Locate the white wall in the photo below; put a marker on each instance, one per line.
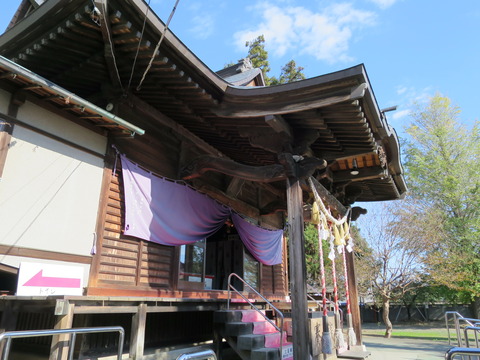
(49, 193)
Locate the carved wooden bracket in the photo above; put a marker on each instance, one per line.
(269, 173)
(206, 163)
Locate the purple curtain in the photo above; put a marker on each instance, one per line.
(265, 245)
(168, 213)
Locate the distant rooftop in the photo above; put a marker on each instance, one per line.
(242, 74)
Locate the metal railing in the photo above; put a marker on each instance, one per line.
(199, 355)
(277, 312)
(451, 353)
(8, 336)
(475, 330)
(458, 320)
(330, 303)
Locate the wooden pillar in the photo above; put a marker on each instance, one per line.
(298, 284)
(7, 125)
(354, 305)
(217, 341)
(8, 321)
(60, 343)
(137, 338)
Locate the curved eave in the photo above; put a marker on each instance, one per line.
(390, 141)
(320, 91)
(38, 22)
(345, 90)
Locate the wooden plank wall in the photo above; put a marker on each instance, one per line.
(126, 261)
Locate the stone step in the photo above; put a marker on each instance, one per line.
(263, 327)
(273, 353)
(223, 316)
(273, 340)
(238, 328)
(250, 341)
(252, 315)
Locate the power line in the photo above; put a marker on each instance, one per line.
(138, 47)
(158, 46)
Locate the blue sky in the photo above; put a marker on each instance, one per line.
(411, 48)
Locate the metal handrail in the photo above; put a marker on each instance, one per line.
(319, 304)
(329, 302)
(476, 329)
(9, 335)
(469, 323)
(332, 305)
(200, 355)
(278, 312)
(451, 353)
(458, 318)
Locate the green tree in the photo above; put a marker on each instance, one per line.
(364, 260)
(259, 57)
(312, 258)
(395, 262)
(443, 174)
(290, 73)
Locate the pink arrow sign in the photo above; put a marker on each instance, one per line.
(40, 280)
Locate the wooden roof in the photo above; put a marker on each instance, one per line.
(333, 117)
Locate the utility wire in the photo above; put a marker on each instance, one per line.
(138, 47)
(158, 46)
(107, 28)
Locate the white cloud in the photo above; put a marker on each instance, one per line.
(401, 90)
(408, 96)
(383, 4)
(324, 35)
(202, 25)
(400, 114)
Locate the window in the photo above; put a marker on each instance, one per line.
(251, 270)
(192, 265)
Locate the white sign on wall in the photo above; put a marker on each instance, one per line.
(49, 279)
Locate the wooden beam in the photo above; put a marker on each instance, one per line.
(141, 107)
(43, 254)
(278, 123)
(235, 186)
(17, 99)
(109, 50)
(251, 107)
(301, 330)
(237, 205)
(108, 167)
(352, 287)
(206, 163)
(329, 199)
(266, 138)
(137, 337)
(8, 321)
(268, 173)
(366, 173)
(60, 343)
